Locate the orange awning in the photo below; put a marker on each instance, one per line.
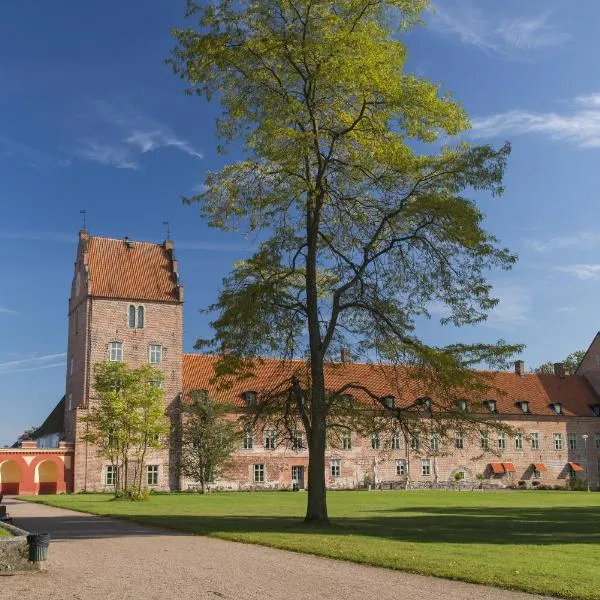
(497, 468)
(509, 467)
(539, 467)
(575, 467)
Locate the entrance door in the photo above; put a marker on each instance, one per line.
(298, 476)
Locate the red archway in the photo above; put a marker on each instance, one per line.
(11, 475)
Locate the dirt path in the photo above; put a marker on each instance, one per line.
(98, 558)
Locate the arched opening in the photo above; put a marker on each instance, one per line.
(47, 477)
(10, 477)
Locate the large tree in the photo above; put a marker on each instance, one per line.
(355, 191)
(126, 420)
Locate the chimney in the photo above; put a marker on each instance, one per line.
(520, 367)
(345, 355)
(559, 370)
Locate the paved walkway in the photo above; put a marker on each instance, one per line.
(98, 558)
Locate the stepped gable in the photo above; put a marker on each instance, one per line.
(541, 391)
(133, 270)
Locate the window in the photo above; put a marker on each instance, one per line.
(346, 440)
(485, 440)
(463, 406)
(248, 439)
(152, 474)
(157, 383)
(572, 441)
(396, 441)
(491, 405)
(558, 441)
(459, 441)
(259, 473)
(518, 441)
(297, 441)
(270, 439)
(434, 442)
(425, 467)
(155, 354)
(375, 442)
(415, 443)
(460, 475)
(135, 317)
(597, 438)
(115, 351)
(524, 405)
(110, 475)
(400, 467)
(557, 408)
(535, 440)
(388, 401)
(336, 467)
(537, 474)
(502, 441)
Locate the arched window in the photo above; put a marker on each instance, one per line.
(131, 316)
(140, 317)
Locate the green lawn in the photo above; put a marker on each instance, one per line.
(4, 532)
(537, 541)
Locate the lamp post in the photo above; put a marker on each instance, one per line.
(587, 471)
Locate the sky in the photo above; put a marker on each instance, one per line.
(91, 118)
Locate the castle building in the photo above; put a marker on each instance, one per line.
(126, 304)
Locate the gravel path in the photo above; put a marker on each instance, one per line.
(99, 558)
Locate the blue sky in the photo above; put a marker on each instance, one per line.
(91, 118)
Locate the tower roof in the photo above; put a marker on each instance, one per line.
(132, 270)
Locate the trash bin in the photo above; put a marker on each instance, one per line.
(38, 546)
(295, 487)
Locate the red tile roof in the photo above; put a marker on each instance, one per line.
(540, 390)
(143, 271)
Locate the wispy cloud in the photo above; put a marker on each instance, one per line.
(34, 363)
(584, 239)
(31, 156)
(579, 127)
(504, 38)
(566, 309)
(131, 133)
(7, 311)
(582, 271)
(513, 309)
(38, 236)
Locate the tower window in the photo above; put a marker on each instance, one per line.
(155, 354)
(115, 351)
(135, 317)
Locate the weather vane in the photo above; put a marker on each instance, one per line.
(83, 212)
(168, 226)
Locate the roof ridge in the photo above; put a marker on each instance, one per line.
(110, 239)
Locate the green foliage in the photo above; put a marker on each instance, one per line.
(364, 230)
(208, 438)
(571, 362)
(125, 420)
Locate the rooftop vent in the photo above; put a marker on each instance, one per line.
(559, 369)
(520, 367)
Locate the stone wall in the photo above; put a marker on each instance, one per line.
(14, 552)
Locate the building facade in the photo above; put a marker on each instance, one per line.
(126, 304)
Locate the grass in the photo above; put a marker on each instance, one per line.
(4, 532)
(536, 541)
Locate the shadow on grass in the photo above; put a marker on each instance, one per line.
(538, 526)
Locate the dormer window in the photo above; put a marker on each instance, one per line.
(490, 404)
(463, 406)
(135, 317)
(424, 402)
(249, 398)
(596, 410)
(557, 408)
(388, 401)
(524, 406)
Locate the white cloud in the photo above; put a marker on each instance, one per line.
(507, 38)
(32, 157)
(512, 310)
(133, 133)
(584, 240)
(34, 363)
(584, 272)
(579, 127)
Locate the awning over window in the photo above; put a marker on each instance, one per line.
(575, 467)
(497, 468)
(539, 467)
(509, 467)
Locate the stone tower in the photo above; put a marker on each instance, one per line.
(126, 304)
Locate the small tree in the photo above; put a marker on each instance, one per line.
(126, 420)
(570, 363)
(208, 438)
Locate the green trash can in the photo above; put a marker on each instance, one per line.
(38, 546)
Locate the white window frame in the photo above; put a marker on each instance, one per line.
(248, 442)
(375, 441)
(152, 475)
(534, 437)
(346, 440)
(258, 472)
(558, 442)
(459, 440)
(155, 351)
(396, 441)
(425, 467)
(518, 441)
(270, 439)
(485, 440)
(502, 441)
(415, 443)
(572, 440)
(115, 351)
(336, 467)
(400, 467)
(110, 475)
(461, 473)
(434, 442)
